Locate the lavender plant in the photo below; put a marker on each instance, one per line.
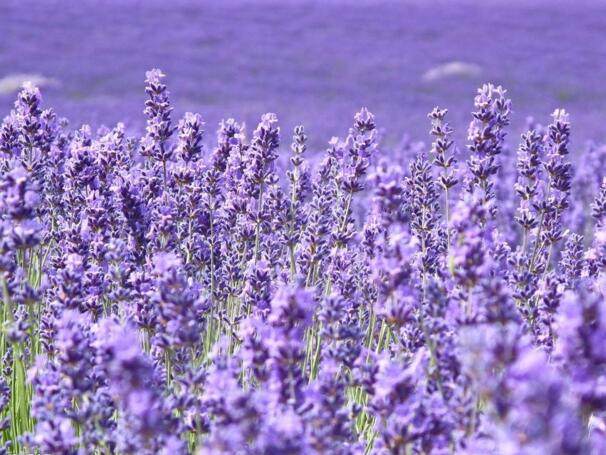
(164, 294)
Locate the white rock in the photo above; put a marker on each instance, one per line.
(452, 69)
(13, 82)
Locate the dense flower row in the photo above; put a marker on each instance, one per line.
(163, 296)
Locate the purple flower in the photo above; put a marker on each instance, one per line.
(161, 299)
(158, 110)
(486, 136)
(189, 147)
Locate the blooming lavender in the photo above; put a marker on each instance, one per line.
(486, 136)
(168, 294)
(443, 161)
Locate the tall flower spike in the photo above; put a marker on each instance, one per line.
(527, 185)
(486, 136)
(299, 189)
(443, 161)
(260, 173)
(361, 143)
(557, 191)
(422, 204)
(158, 110)
(27, 108)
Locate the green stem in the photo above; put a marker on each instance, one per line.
(258, 226)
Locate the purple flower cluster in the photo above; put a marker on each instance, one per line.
(170, 295)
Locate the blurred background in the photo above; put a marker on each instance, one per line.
(314, 62)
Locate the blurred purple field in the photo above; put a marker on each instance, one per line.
(311, 62)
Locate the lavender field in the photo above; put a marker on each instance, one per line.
(332, 227)
(310, 61)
